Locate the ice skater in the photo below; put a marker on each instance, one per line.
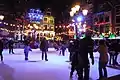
(26, 51)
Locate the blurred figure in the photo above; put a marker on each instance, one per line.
(116, 49)
(71, 49)
(63, 48)
(103, 59)
(86, 47)
(111, 51)
(26, 51)
(1, 49)
(44, 48)
(10, 45)
(74, 57)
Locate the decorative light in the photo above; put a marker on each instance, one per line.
(74, 10)
(71, 14)
(0, 22)
(85, 12)
(77, 7)
(35, 15)
(79, 18)
(13, 24)
(17, 25)
(1, 17)
(6, 23)
(31, 27)
(10, 24)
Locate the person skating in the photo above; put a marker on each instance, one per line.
(10, 45)
(103, 59)
(1, 50)
(26, 51)
(44, 48)
(63, 48)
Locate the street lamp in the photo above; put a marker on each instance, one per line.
(1, 17)
(77, 7)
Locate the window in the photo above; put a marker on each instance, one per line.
(107, 19)
(101, 18)
(45, 19)
(51, 21)
(118, 19)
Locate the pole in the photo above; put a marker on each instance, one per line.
(76, 31)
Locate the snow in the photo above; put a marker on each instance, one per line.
(15, 68)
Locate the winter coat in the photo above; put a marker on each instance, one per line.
(27, 49)
(103, 53)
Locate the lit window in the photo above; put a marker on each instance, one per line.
(45, 19)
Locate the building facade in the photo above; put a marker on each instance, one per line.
(102, 22)
(40, 25)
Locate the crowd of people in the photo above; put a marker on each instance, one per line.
(79, 50)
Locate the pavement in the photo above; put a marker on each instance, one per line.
(56, 68)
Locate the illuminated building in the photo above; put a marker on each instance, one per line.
(102, 22)
(39, 25)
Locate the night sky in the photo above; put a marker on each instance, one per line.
(60, 8)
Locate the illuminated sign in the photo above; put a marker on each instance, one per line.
(35, 15)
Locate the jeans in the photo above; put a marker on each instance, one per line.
(1, 55)
(11, 50)
(102, 69)
(44, 53)
(26, 55)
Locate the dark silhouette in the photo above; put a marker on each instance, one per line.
(10, 45)
(44, 48)
(86, 46)
(1, 49)
(103, 60)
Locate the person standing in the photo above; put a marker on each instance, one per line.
(10, 45)
(1, 49)
(63, 48)
(86, 46)
(44, 48)
(103, 59)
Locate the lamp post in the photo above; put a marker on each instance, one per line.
(75, 10)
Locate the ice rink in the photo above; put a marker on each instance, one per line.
(56, 68)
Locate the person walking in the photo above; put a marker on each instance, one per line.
(103, 59)
(44, 48)
(1, 50)
(86, 46)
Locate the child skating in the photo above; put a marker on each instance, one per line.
(26, 51)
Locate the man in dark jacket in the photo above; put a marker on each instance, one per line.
(1, 49)
(86, 46)
(44, 48)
